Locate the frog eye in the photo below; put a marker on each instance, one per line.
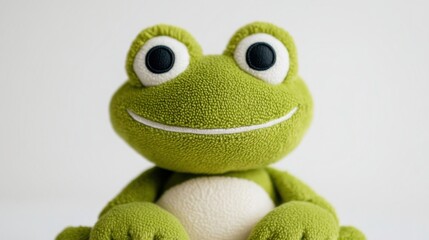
(160, 59)
(264, 57)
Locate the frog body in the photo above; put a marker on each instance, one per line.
(212, 125)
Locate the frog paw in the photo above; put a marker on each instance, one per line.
(350, 233)
(297, 221)
(138, 221)
(74, 233)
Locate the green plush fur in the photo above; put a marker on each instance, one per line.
(213, 93)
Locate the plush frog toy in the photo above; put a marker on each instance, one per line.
(212, 125)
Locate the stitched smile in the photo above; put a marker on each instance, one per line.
(210, 131)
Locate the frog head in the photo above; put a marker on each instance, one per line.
(210, 114)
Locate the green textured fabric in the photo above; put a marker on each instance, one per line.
(143, 221)
(292, 189)
(351, 233)
(213, 92)
(74, 233)
(145, 188)
(297, 220)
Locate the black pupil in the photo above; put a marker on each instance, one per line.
(260, 56)
(160, 59)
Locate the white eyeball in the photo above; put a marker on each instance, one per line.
(159, 60)
(264, 57)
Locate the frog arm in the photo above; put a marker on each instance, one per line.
(145, 188)
(301, 214)
(290, 188)
(132, 214)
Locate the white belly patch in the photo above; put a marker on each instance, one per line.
(217, 208)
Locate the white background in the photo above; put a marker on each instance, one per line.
(366, 62)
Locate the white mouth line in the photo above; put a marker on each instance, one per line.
(212, 131)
